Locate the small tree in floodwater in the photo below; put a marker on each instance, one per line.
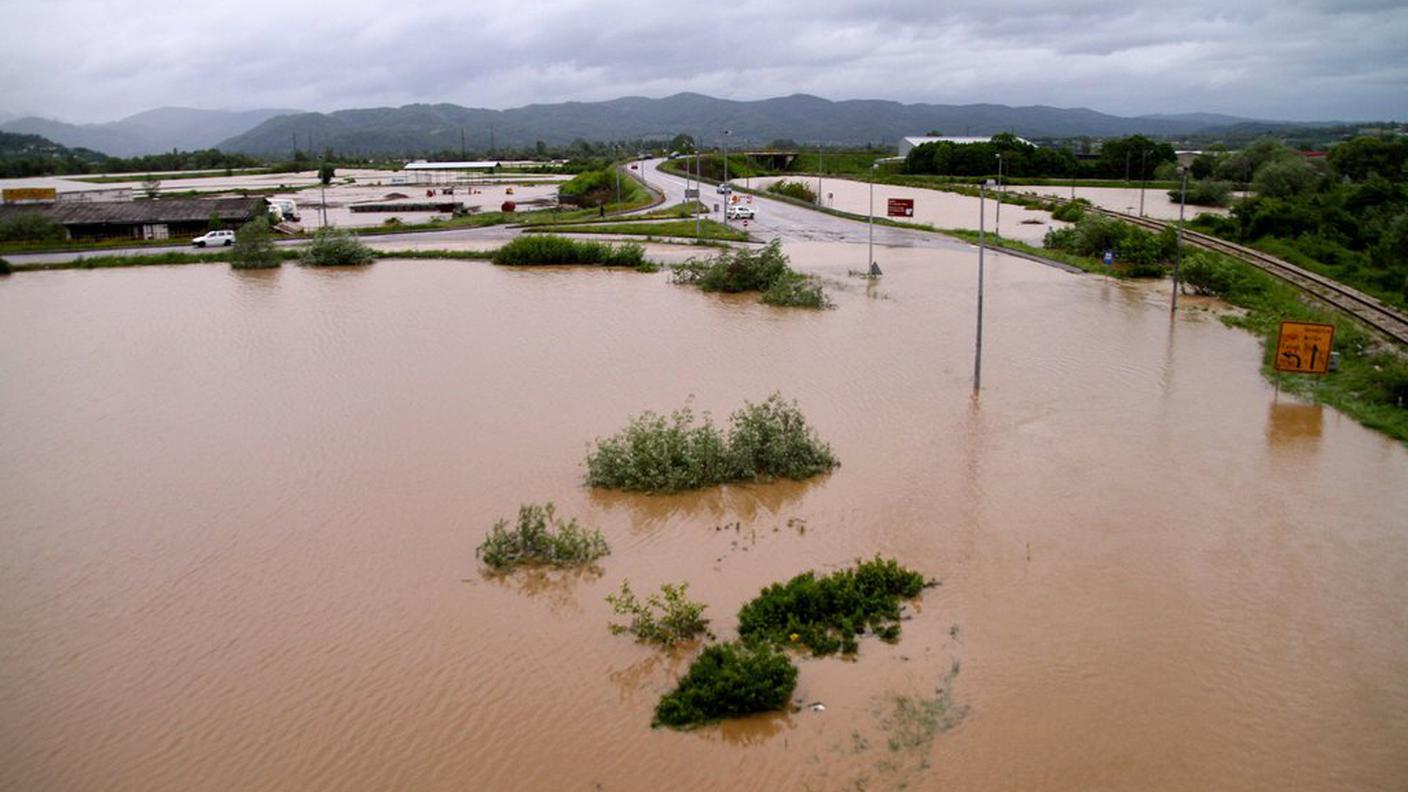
(254, 247)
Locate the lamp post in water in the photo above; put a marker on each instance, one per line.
(1178, 248)
(728, 194)
(982, 244)
(870, 225)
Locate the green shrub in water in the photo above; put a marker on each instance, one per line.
(1071, 211)
(826, 614)
(764, 270)
(254, 247)
(540, 537)
(334, 247)
(550, 249)
(794, 189)
(658, 454)
(666, 618)
(728, 680)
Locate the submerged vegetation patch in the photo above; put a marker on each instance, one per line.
(654, 453)
(765, 271)
(665, 619)
(826, 614)
(540, 538)
(755, 674)
(550, 249)
(728, 680)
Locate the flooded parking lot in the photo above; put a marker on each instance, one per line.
(238, 520)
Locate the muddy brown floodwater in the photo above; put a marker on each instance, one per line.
(238, 516)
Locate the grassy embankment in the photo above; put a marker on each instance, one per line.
(708, 229)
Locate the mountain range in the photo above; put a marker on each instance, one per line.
(151, 132)
(426, 128)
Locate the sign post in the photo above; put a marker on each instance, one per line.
(900, 207)
(1304, 347)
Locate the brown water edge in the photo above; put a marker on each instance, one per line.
(239, 512)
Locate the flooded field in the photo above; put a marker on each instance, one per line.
(1156, 202)
(479, 195)
(935, 207)
(239, 512)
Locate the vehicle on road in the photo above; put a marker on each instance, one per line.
(287, 209)
(741, 213)
(725, 188)
(212, 238)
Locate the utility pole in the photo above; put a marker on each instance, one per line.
(870, 228)
(1178, 249)
(698, 188)
(617, 167)
(462, 154)
(1143, 172)
(818, 175)
(982, 245)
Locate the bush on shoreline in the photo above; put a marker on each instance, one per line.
(334, 247)
(550, 249)
(254, 247)
(794, 189)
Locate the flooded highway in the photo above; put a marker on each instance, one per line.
(239, 513)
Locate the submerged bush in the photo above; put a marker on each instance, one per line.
(1210, 273)
(666, 618)
(540, 537)
(826, 614)
(254, 246)
(4, 267)
(550, 249)
(1137, 252)
(1071, 211)
(763, 270)
(334, 247)
(794, 189)
(1204, 192)
(728, 680)
(658, 454)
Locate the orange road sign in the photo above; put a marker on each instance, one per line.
(1304, 347)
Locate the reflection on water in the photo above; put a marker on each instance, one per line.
(234, 547)
(557, 587)
(1290, 423)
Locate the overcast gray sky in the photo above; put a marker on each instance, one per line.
(97, 60)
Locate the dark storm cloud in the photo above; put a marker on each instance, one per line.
(1295, 60)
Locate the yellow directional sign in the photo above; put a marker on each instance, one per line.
(1304, 347)
(21, 194)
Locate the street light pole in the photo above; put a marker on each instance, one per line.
(617, 168)
(997, 222)
(728, 194)
(870, 229)
(1178, 249)
(982, 244)
(698, 191)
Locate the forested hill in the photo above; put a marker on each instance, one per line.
(807, 119)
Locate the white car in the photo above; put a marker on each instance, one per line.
(214, 238)
(741, 213)
(725, 188)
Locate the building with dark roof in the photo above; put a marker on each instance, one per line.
(151, 219)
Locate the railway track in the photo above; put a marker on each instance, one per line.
(1367, 309)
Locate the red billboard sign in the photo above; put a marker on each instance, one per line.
(901, 207)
